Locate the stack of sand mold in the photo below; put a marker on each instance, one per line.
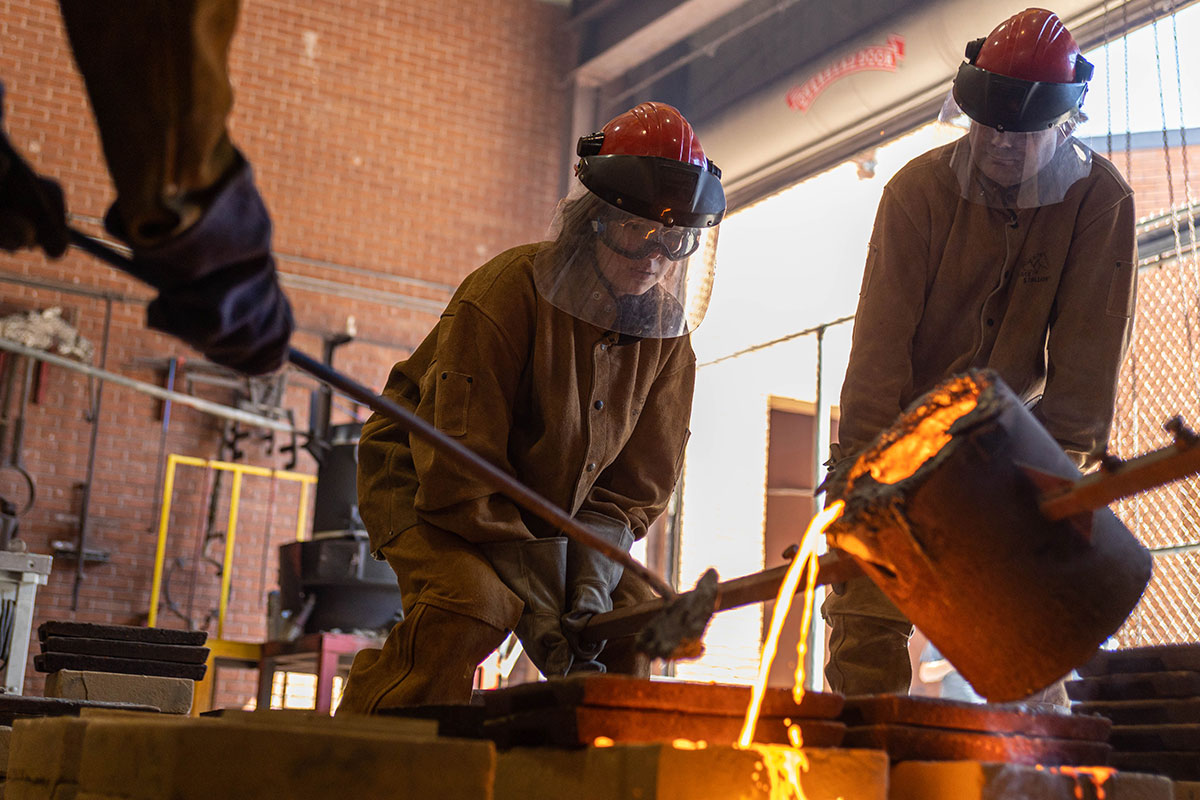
(104, 754)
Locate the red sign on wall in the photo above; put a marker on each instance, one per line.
(884, 57)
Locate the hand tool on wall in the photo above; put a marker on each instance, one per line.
(13, 462)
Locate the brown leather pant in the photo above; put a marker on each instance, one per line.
(456, 612)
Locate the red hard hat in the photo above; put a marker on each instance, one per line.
(1027, 75)
(652, 129)
(1033, 45)
(647, 161)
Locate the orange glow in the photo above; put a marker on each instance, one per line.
(785, 765)
(602, 741)
(688, 744)
(1096, 776)
(778, 772)
(927, 435)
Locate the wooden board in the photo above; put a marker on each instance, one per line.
(115, 648)
(984, 718)
(1136, 686)
(913, 743)
(124, 633)
(583, 725)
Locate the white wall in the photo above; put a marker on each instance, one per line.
(790, 262)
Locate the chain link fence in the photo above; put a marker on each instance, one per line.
(1159, 381)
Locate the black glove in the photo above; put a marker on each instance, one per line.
(218, 288)
(32, 212)
(838, 472)
(591, 579)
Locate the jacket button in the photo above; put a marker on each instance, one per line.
(991, 322)
(599, 404)
(591, 467)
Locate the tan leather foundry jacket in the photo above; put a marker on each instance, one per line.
(589, 423)
(1044, 296)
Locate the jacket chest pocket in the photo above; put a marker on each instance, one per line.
(453, 403)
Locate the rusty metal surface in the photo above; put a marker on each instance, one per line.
(15, 707)
(117, 649)
(123, 633)
(1135, 686)
(912, 743)
(575, 711)
(53, 662)
(1144, 712)
(1177, 766)
(1176, 657)
(963, 550)
(583, 725)
(973, 717)
(1155, 738)
(621, 691)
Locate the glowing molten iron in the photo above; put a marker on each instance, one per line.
(784, 766)
(1096, 776)
(926, 433)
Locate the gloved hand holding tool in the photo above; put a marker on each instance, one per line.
(591, 579)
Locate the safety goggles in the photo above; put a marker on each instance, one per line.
(637, 238)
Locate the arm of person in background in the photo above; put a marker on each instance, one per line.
(157, 76)
(890, 305)
(1089, 332)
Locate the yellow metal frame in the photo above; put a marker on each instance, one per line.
(238, 470)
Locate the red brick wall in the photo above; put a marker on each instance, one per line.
(398, 146)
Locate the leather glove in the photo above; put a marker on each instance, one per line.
(837, 473)
(218, 289)
(535, 570)
(32, 211)
(591, 579)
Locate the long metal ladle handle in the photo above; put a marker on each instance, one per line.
(457, 452)
(470, 461)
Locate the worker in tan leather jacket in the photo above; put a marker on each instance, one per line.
(568, 364)
(1013, 249)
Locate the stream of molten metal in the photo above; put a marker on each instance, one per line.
(782, 765)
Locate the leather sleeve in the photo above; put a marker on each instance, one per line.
(1089, 333)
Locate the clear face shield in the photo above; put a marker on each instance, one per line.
(1015, 169)
(625, 273)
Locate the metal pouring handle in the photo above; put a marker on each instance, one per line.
(460, 454)
(1119, 479)
(466, 458)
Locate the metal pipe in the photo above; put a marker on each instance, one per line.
(86, 502)
(161, 548)
(462, 456)
(227, 562)
(207, 406)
